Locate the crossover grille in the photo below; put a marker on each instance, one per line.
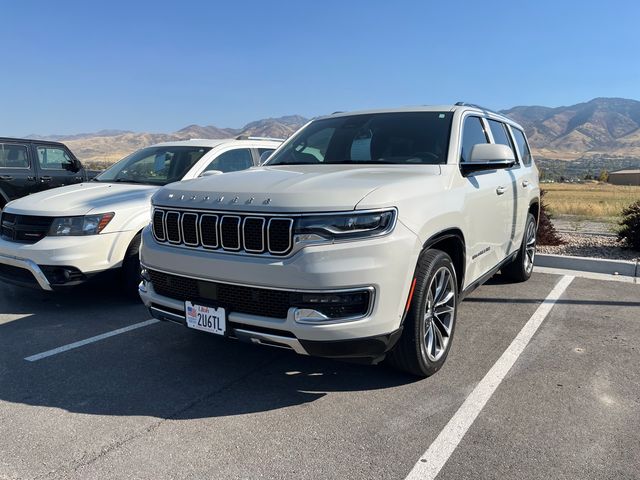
(24, 228)
(254, 234)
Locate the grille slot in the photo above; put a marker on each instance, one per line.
(158, 225)
(172, 226)
(230, 232)
(279, 234)
(209, 231)
(190, 229)
(253, 234)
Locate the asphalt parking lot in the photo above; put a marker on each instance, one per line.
(160, 401)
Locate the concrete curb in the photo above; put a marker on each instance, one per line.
(585, 264)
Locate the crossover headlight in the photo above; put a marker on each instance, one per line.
(343, 226)
(78, 226)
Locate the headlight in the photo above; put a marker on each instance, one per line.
(78, 226)
(344, 225)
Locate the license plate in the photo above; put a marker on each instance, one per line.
(207, 319)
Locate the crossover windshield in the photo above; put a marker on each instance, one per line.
(154, 165)
(378, 138)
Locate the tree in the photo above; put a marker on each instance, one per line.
(629, 232)
(604, 176)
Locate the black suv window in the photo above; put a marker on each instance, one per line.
(232, 161)
(472, 134)
(13, 156)
(52, 158)
(523, 148)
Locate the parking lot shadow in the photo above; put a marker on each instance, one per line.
(162, 370)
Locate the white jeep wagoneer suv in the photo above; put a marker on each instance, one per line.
(357, 239)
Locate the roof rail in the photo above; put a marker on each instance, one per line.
(247, 137)
(479, 107)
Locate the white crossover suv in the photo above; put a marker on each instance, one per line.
(62, 237)
(356, 240)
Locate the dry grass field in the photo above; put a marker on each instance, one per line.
(589, 200)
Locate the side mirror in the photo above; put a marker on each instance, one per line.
(265, 156)
(488, 156)
(71, 166)
(210, 173)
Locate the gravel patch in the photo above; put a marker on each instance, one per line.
(590, 245)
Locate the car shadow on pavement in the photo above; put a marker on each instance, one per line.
(163, 370)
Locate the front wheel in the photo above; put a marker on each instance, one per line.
(131, 268)
(429, 324)
(521, 268)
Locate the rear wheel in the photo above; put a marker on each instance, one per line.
(131, 268)
(430, 322)
(521, 268)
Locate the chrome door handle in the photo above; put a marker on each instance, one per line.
(525, 183)
(500, 190)
(46, 179)
(6, 178)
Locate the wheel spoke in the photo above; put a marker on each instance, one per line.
(441, 327)
(446, 299)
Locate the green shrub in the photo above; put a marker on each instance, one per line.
(547, 234)
(629, 232)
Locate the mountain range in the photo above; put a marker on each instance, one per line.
(594, 134)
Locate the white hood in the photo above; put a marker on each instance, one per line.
(84, 198)
(289, 188)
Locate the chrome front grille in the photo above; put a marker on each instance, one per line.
(252, 234)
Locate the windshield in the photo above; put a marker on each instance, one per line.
(154, 165)
(378, 138)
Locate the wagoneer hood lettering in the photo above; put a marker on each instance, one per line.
(291, 188)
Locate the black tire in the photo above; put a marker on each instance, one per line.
(521, 268)
(410, 353)
(130, 271)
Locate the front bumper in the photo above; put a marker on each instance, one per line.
(385, 264)
(35, 264)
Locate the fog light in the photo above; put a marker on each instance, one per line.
(318, 307)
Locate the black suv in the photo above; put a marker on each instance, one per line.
(28, 166)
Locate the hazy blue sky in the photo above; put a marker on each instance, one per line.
(70, 67)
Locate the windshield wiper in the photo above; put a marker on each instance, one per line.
(125, 180)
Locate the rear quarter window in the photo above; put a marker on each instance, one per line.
(13, 156)
(523, 148)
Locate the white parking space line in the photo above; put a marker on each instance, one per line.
(97, 338)
(430, 464)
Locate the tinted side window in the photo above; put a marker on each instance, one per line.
(13, 156)
(52, 158)
(523, 149)
(500, 135)
(262, 150)
(472, 134)
(232, 161)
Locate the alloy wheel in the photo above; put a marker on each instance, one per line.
(439, 314)
(530, 247)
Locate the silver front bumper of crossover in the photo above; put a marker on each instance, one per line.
(29, 265)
